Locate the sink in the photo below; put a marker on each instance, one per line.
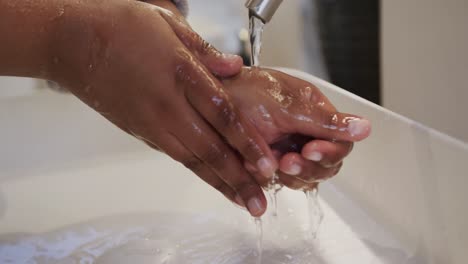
(400, 197)
(16, 86)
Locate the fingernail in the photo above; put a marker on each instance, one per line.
(358, 127)
(315, 156)
(255, 206)
(266, 167)
(239, 201)
(229, 57)
(294, 169)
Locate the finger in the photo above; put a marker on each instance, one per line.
(218, 63)
(207, 96)
(294, 183)
(176, 150)
(291, 143)
(200, 138)
(319, 118)
(326, 153)
(256, 173)
(293, 164)
(333, 126)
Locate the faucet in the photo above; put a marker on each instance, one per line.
(263, 9)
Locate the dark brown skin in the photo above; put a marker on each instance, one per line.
(146, 71)
(294, 117)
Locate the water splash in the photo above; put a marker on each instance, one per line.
(210, 237)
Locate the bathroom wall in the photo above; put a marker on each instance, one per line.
(283, 41)
(424, 58)
(425, 62)
(283, 36)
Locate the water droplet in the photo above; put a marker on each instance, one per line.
(216, 100)
(61, 12)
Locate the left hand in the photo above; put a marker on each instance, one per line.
(309, 136)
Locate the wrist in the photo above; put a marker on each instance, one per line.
(80, 39)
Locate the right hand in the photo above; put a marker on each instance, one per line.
(143, 69)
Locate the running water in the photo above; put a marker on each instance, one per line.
(256, 32)
(259, 229)
(314, 210)
(315, 213)
(273, 188)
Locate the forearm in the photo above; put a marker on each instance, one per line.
(26, 30)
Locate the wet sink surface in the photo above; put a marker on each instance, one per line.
(191, 223)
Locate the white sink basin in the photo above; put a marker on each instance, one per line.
(399, 199)
(15, 87)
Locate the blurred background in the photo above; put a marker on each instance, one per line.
(409, 56)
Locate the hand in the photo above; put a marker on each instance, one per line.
(143, 69)
(309, 136)
(304, 161)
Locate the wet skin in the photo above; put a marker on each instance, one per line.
(309, 136)
(146, 71)
(130, 61)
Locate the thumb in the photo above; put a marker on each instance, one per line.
(218, 63)
(332, 126)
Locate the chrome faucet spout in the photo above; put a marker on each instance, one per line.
(263, 9)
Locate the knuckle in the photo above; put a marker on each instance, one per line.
(244, 186)
(251, 148)
(330, 120)
(219, 186)
(226, 190)
(227, 118)
(204, 48)
(213, 157)
(193, 163)
(333, 121)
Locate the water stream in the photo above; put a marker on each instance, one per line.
(315, 213)
(256, 32)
